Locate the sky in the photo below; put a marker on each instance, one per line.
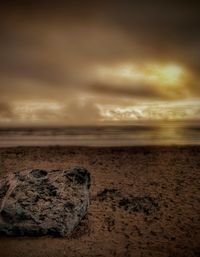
(98, 62)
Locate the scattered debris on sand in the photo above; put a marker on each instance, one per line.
(130, 203)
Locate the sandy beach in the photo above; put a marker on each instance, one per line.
(145, 201)
(99, 128)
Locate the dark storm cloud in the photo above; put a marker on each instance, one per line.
(145, 91)
(151, 29)
(48, 49)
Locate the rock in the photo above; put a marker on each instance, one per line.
(43, 202)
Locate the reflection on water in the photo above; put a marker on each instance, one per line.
(162, 133)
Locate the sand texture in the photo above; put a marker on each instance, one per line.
(144, 201)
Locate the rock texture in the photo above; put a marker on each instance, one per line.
(40, 202)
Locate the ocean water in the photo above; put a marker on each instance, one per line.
(145, 133)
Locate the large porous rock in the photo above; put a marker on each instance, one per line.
(40, 202)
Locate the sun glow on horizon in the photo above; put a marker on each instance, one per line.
(147, 111)
(170, 75)
(155, 74)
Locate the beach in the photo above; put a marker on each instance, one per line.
(144, 201)
(99, 128)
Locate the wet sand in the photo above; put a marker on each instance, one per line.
(145, 201)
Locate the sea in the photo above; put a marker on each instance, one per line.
(129, 134)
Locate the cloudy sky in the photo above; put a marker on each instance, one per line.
(98, 62)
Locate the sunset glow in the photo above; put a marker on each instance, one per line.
(69, 65)
(181, 110)
(166, 75)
